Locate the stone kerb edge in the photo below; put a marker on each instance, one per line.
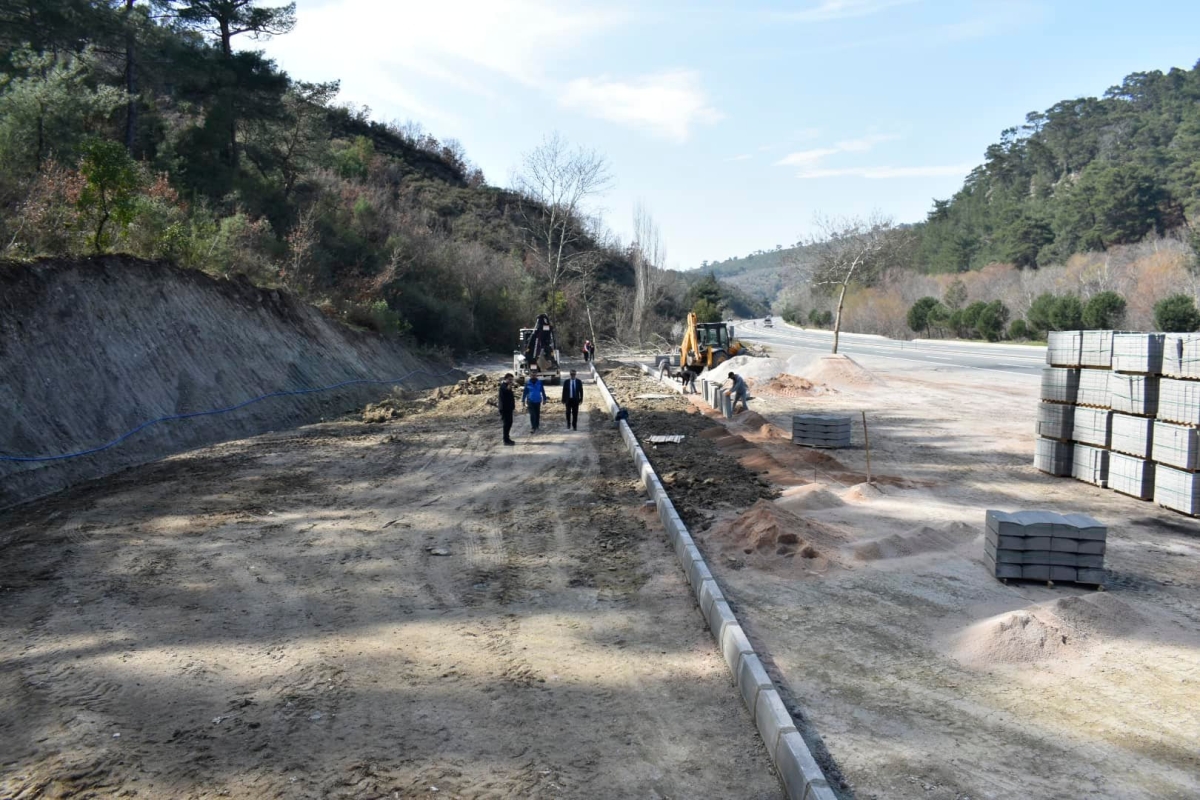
(801, 775)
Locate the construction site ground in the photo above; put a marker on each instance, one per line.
(912, 671)
(397, 609)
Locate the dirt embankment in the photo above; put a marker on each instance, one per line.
(92, 348)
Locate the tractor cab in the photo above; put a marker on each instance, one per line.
(713, 335)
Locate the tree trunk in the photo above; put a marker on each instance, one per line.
(130, 79)
(837, 320)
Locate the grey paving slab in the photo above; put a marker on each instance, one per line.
(1131, 475)
(1094, 388)
(1064, 348)
(1176, 446)
(734, 645)
(1092, 426)
(1132, 435)
(751, 680)
(1096, 349)
(1055, 420)
(799, 769)
(1090, 464)
(772, 718)
(1179, 401)
(1177, 489)
(1133, 394)
(1060, 385)
(1053, 456)
(720, 615)
(1181, 355)
(1138, 352)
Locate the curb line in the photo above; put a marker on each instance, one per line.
(801, 775)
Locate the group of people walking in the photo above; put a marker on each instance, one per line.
(533, 394)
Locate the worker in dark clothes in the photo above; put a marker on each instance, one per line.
(532, 398)
(508, 404)
(572, 397)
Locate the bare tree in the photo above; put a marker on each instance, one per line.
(850, 250)
(556, 181)
(649, 257)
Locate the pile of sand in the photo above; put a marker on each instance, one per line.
(861, 493)
(750, 368)
(1056, 630)
(833, 370)
(813, 497)
(788, 385)
(926, 539)
(769, 534)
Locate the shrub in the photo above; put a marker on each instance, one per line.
(1177, 314)
(918, 315)
(989, 322)
(820, 319)
(1018, 329)
(1067, 314)
(1104, 311)
(1040, 313)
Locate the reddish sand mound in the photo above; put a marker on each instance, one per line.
(839, 370)
(813, 497)
(785, 385)
(926, 539)
(1057, 630)
(752, 419)
(766, 534)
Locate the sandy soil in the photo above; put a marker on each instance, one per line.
(401, 609)
(917, 674)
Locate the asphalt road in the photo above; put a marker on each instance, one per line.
(785, 341)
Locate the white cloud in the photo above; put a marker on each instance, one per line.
(742, 157)
(844, 9)
(885, 173)
(859, 145)
(666, 104)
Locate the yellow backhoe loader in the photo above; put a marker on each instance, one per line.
(706, 344)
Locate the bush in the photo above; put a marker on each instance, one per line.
(918, 315)
(1019, 330)
(1067, 314)
(1105, 311)
(1177, 314)
(989, 322)
(820, 319)
(1040, 313)
(794, 315)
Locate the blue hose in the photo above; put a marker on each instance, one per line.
(260, 398)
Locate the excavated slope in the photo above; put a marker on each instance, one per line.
(91, 348)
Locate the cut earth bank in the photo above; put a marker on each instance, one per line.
(916, 673)
(400, 609)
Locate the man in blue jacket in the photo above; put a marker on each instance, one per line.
(532, 397)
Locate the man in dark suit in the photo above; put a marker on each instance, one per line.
(507, 403)
(572, 397)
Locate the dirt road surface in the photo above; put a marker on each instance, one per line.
(350, 610)
(921, 675)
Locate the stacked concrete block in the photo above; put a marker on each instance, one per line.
(1131, 475)
(1133, 394)
(821, 430)
(1096, 349)
(1131, 435)
(1090, 464)
(1094, 388)
(1092, 426)
(1060, 385)
(1064, 348)
(1177, 446)
(1179, 401)
(1053, 457)
(1043, 545)
(1138, 352)
(1177, 489)
(1055, 421)
(1181, 355)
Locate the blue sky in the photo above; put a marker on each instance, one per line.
(735, 123)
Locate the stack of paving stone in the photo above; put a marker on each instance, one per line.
(1043, 545)
(1137, 361)
(1175, 448)
(1054, 450)
(821, 430)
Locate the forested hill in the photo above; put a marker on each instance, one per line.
(1084, 175)
(145, 128)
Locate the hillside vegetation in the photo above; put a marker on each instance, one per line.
(142, 128)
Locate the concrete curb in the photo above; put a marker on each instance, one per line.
(801, 775)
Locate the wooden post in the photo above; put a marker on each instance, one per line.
(867, 442)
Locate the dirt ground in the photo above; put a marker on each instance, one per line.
(917, 674)
(390, 610)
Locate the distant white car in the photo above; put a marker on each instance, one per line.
(767, 323)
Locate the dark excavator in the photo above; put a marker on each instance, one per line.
(537, 352)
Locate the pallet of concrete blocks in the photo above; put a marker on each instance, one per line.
(1181, 355)
(1092, 426)
(1179, 401)
(1131, 435)
(821, 430)
(1138, 352)
(1053, 457)
(1177, 489)
(1176, 446)
(1093, 388)
(1045, 546)
(1060, 385)
(1097, 349)
(1133, 394)
(1063, 348)
(1089, 464)
(1131, 475)
(1055, 421)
